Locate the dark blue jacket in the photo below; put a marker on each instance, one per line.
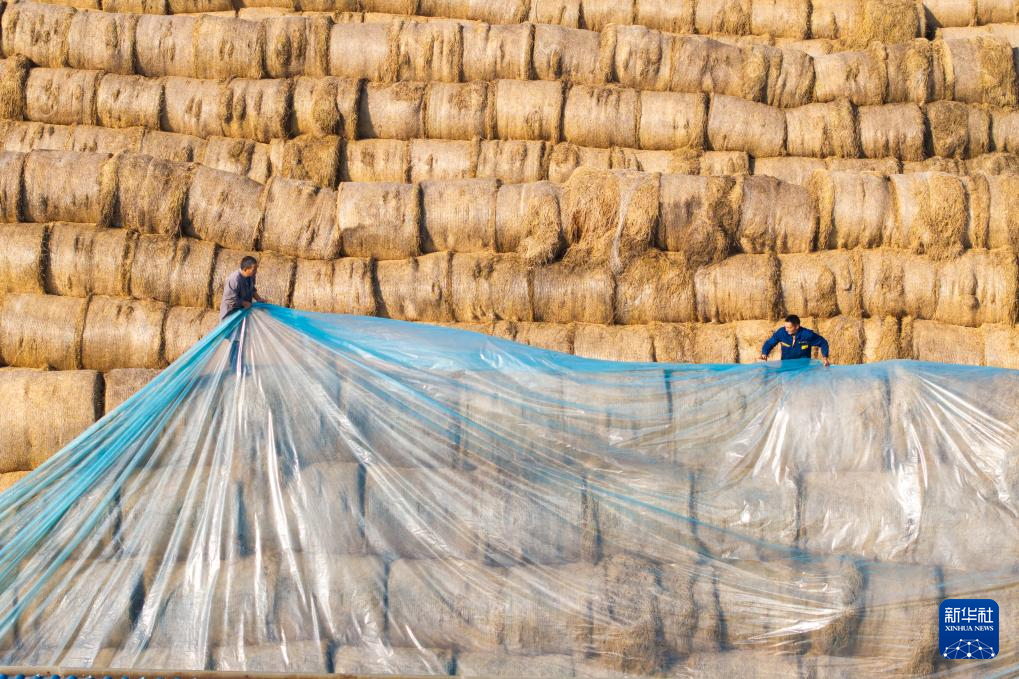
(805, 339)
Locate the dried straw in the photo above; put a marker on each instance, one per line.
(981, 71)
(416, 289)
(742, 287)
(739, 125)
(150, 194)
(226, 47)
(548, 609)
(457, 111)
(700, 64)
(881, 339)
(697, 217)
(103, 41)
(527, 222)
(940, 343)
(163, 46)
(376, 160)
(300, 220)
(392, 111)
(443, 160)
(487, 287)
(431, 50)
(911, 76)
(930, 214)
(608, 116)
(192, 107)
(379, 220)
(11, 180)
(790, 169)
(722, 16)
(82, 260)
(497, 52)
(122, 333)
(564, 292)
(566, 158)
(977, 288)
(22, 257)
(861, 77)
(76, 187)
(893, 130)
(61, 96)
(898, 284)
(94, 139)
(223, 208)
(296, 46)
(38, 32)
(670, 121)
(123, 383)
(458, 216)
(513, 162)
(256, 109)
(238, 156)
(822, 130)
(528, 110)
(364, 51)
(822, 284)
(182, 148)
(775, 216)
(655, 288)
(326, 106)
(183, 327)
(722, 163)
(342, 286)
(13, 75)
(42, 331)
(171, 270)
(568, 54)
(853, 207)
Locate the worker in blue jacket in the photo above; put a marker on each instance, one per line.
(796, 342)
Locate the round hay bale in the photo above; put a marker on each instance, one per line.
(1003, 219)
(509, 665)
(457, 111)
(940, 343)
(392, 111)
(790, 80)
(681, 161)
(981, 71)
(163, 46)
(69, 186)
(633, 56)
(38, 32)
(775, 216)
(505, 13)
(993, 164)
(192, 106)
(930, 214)
(723, 163)
(497, 52)
(342, 286)
(853, 207)
(861, 77)
(631, 343)
(486, 287)
(296, 46)
(1001, 348)
(942, 13)
(564, 292)
(223, 208)
(513, 162)
(443, 160)
(458, 216)
(822, 284)
(783, 19)
(696, 217)
(556, 12)
(742, 287)
(11, 180)
(608, 116)
(297, 656)
(548, 609)
(699, 64)
(379, 220)
(94, 139)
(568, 54)
(103, 41)
(881, 339)
(673, 342)
(882, 166)
(13, 74)
(740, 125)
(226, 47)
(977, 288)
(236, 156)
(529, 110)
(656, 288)
(860, 22)
(413, 661)
(822, 130)
(669, 120)
(307, 158)
(123, 383)
(364, 51)
(714, 343)
(275, 280)
(430, 50)
(550, 336)
(82, 260)
(945, 165)
(898, 284)
(789, 169)
(183, 327)
(122, 333)
(893, 130)
(22, 257)
(416, 289)
(909, 69)
(723, 16)
(300, 220)
(949, 125)
(61, 96)
(171, 270)
(182, 148)
(150, 194)
(256, 109)
(527, 222)
(376, 160)
(665, 15)
(326, 106)
(42, 331)
(567, 158)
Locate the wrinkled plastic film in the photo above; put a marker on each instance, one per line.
(319, 493)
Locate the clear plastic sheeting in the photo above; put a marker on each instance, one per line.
(319, 493)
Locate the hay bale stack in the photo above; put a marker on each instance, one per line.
(670, 120)
(182, 148)
(940, 343)
(307, 158)
(861, 77)
(296, 46)
(226, 47)
(548, 609)
(822, 284)
(300, 220)
(171, 270)
(719, 16)
(38, 32)
(163, 46)
(493, 52)
(342, 286)
(42, 331)
(740, 125)
(123, 383)
(43, 412)
(416, 289)
(22, 258)
(69, 186)
(530, 110)
(103, 41)
(513, 162)
(556, 12)
(898, 284)
(392, 111)
(696, 217)
(13, 74)
(852, 209)
(993, 164)
(459, 216)
(775, 216)
(192, 106)
(977, 288)
(893, 130)
(183, 327)
(238, 156)
(297, 656)
(658, 287)
(256, 109)
(11, 179)
(564, 292)
(568, 54)
(980, 71)
(376, 160)
(551, 336)
(603, 116)
(457, 111)
(61, 96)
(509, 665)
(122, 333)
(527, 221)
(746, 518)
(566, 158)
(488, 287)
(223, 208)
(413, 661)
(930, 214)
(83, 261)
(150, 194)
(743, 287)
(822, 130)
(364, 50)
(614, 342)
(682, 161)
(664, 15)
(429, 50)
(439, 160)
(275, 281)
(331, 491)
(379, 220)
(326, 106)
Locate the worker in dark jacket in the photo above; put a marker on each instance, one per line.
(796, 342)
(239, 290)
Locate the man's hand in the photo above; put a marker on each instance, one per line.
(762, 358)
(246, 305)
(259, 298)
(826, 362)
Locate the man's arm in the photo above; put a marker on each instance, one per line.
(822, 343)
(768, 346)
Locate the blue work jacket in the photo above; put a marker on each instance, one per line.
(800, 348)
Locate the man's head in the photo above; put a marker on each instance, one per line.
(792, 324)
(249, 266)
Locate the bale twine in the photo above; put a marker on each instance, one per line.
(893, 130)
(300, 220)
(790, 78)
(183, 327)
(511, 665)
(83, 261)
(789, 169)
(566, 158)
(223, 208)
(61, 96)
(822, 130)
(568, 54)
(307, 158)
(376, 160)
(457, 111)
(416, 289)
(22, 258)
(564, 292)
(296, 46)
(606, 116)
(38, 32)
(742, 287)
(123, 383)
(295, 656)
(392, 111)
(658, 287)
(977, 288)
(364, 51)
(458, 216)
(430, 50)
(368, 660)
(860, 77)
(342, 286)
(122, 333)
(103, 41)
(496, 52)
(930, 214)
(379, 220)
(192, 106)
(42, 331)
(913, 76)
(171, 270)
(163, 46)
(670, 120)
(150, 194)
(775, 216)
(182, 148)
(981, 71)
(256, 109)
(528, 110)
(723, 163)
(274, 281)
(95, 139)
(486, 287)
(326, 106)
(226, 47)
(43, 411)
(898, 284)
(940, 343)
(443, 160)
(513, 162)
(740, 125)
(822, 284)
(527, 222)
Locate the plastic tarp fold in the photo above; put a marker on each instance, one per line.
(320, 493)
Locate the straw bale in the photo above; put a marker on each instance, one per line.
(696, 217)
(22, 137)
(565, 292)
(625, 620)
(665, 15)
(182, 148)
(256, 109)
(42, 331)
(70, 186)
(326, 106)
(13, 74)
(725, 16)
(379, 220)
(634, 56)
(930, 214)
(656, 288)
(978, 191)
(881, 166)
(8, 479)
(376, 160)
(510, 665)
(342, 286)
(413, 661)
(852, 207)
(881, 339)
(750, 335)
(846, 337)
(789, 169)
(61, 96)
(942, 343)
(898, 284)
(226, 47)
(566, 158)
(392, 111)
(860, 22)
(150, 194)
(1001, 347)
(699, 64)
(22, 257)
(556, 12)
(981, 71)
(568, 54)
(296, 46)
(673, 342)
(722, 163)
(995, 11)
(193, 106)
(496, 52)
(548, 609)
(513, 162)
(307, 158)
(458, 216)
(1003, 220)
(236, 156)
(38, 32)
(83, 260)
(443, 160)
(163, 46)
(782, 19)
(942, 13)
(822, 284)
(416, 289)
(103, 41)
(993, 164)
(122, 333)
(609, 116)
(94, 139)
(457, 111)
(223, 208)
(893, 130)
(908, 68)
(275, 280)
(775, 216)
(790, 78)
(11, 180)
(551, 336)
(513, 12)
(957, 130)
(178, 272)
(295, 656)
(614, 342)
(430, 50)
(822, 130)
(364, 51)
(670, 120)
(529, 110)
(979, 287)
(861, 77)
(742, 287)
(300, 220)
(715, 343)
(123, 383)
(740, 125)
(527, 222)
(944, 165)
(183, 327)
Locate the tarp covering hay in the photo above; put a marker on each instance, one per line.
(183, 327)
(42, 331)
(379, 220)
